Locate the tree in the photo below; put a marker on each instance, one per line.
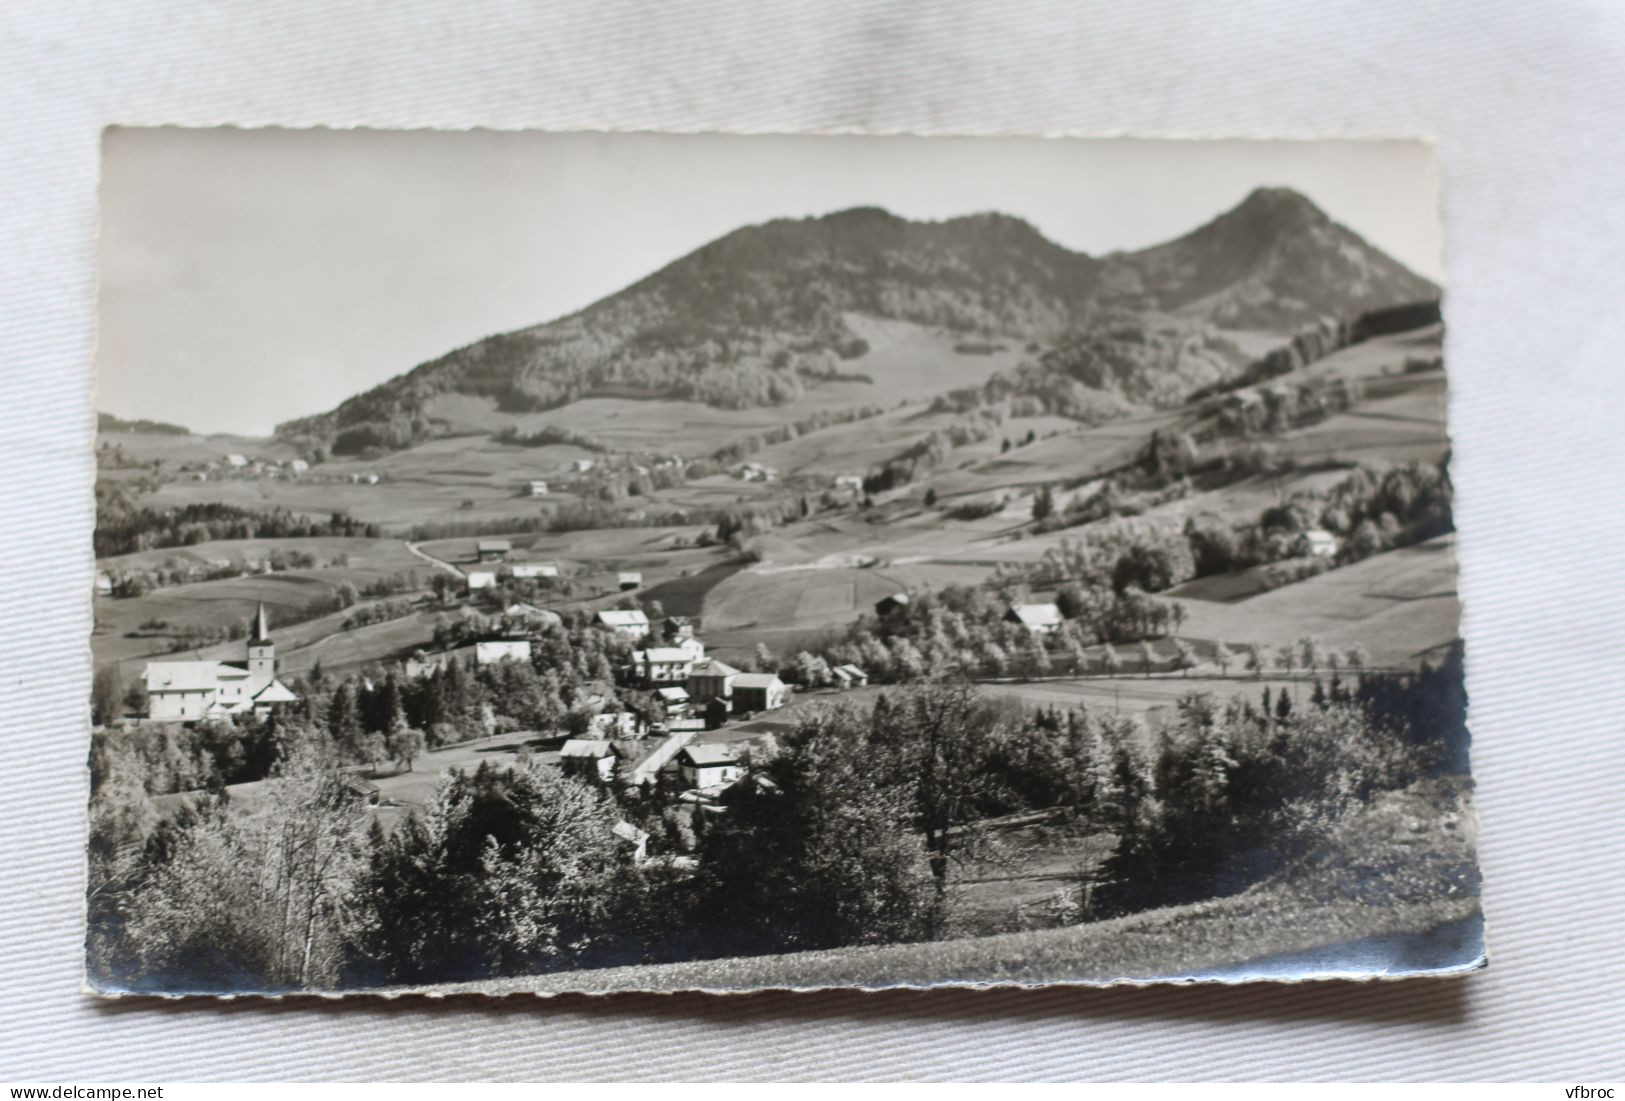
(1309, 654)
(1222, 657)
(1037, 656)
(1255, 662)
(826, 856)
(1186, 656)
(105, 702)
(1147, 655)
(406, 745)
(930, 498)
(135, 698)
(934, 738)
(253, 901)
(1111, 663)
(1043, 503)
(1286, 659)
(505, 871)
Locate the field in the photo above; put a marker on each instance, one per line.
(1401, 605)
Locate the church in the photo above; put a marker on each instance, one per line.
(190, 691)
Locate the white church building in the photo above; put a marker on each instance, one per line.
(188, 691)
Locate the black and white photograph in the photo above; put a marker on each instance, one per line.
(589, 562)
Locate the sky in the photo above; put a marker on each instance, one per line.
(251, 276)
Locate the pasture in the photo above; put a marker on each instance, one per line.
(1401, 605)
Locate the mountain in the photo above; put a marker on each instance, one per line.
(761, 315)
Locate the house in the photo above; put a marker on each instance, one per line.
(537, 488)
(581, 466)
(854, 482)
(675, 700)
(710, 679)
(494, 550)
(705, 765)
(629, 623)
(535, 569)
(1040, 619)
(1317, 543)
(759, 692)
(187, 691)
(660, 666)
(500, 650)
(849, 676)
(422, 665)
(629, 580)
(104, 583)
(235, 460)
(693, 647)
(609, 723)
(642, 758)
(362, 791)
(370, 479)
(636, 838)
(590, 758)
(297, 466)
(480, 579)
(886, 605)
(537, 618)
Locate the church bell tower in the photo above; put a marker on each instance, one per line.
(261, 650)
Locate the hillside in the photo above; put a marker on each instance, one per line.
(771, 314)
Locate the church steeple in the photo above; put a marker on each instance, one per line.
(261, 651)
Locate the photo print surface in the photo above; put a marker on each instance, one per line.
(591, 562)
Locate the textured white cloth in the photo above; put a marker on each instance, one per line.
(1527, 102)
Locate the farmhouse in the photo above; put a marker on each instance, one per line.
(886, 605)
(540, 618)
(675, 700)
(660, 666)
(854, 482)
(535, 569)
(636, 838)
(629, 623)
(1040, 619)
(705, 765)
(187, 691)
(642, 758)
(590, 758)
(494, 550)
(235, 460)
(608, 723)
(629, 580)
(500, 650)
(711, 679)
(759, 692)
(480, 579)
(537, 488)
(849, 676)
(421, 664)
(581, 466)
(1317, 544)
(297, 466)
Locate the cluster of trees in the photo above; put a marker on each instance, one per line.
(1372, 510)
(549, 435)
(965, 628)
(921, 456)
(859, 830)
(175, 570)
(122, 527)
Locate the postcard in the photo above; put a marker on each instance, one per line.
(586, 562)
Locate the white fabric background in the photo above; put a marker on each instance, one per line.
(1527, 102)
